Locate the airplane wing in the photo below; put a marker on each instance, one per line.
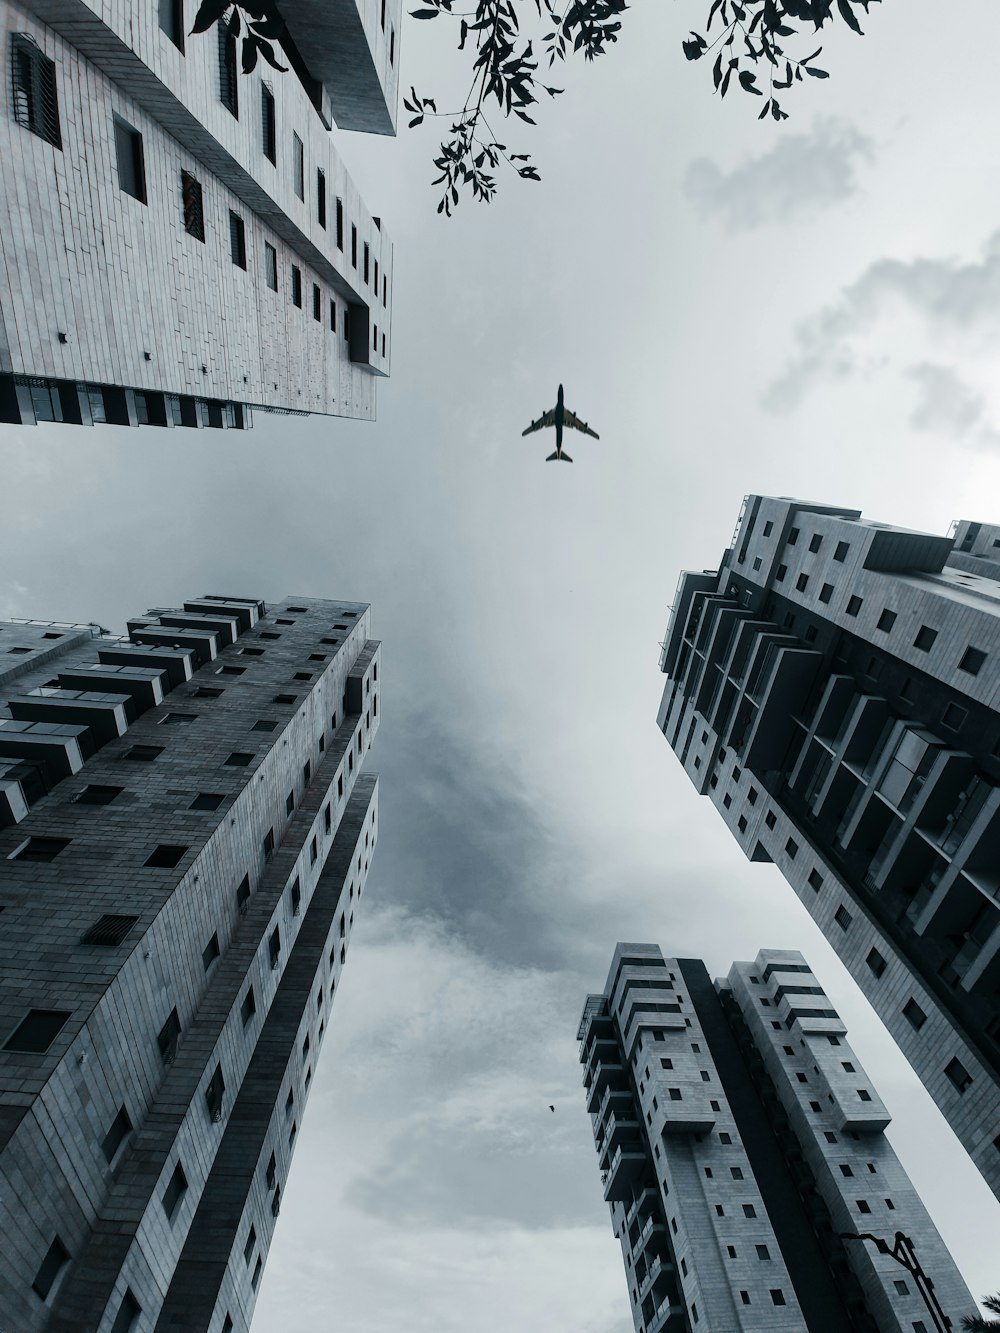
(570, 420)
(546, 419)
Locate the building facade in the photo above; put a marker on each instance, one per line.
(182, 241)
(186, 837)
(834, 689)
(741, 1144)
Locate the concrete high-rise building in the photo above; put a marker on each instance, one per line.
(181, 241)
(834, 689)
(740, 1142)
(186, 838)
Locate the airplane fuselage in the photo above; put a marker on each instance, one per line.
(559, 421)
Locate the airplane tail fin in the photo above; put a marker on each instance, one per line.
(566, 458)
(552, 457)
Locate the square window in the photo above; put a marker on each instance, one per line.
(36, 1031)
(210, 952)
(302, 675)
(770, 819)
(230, 671)
(925, 638)
(793, 536)
(826, 592)
(143, 753)
(972, 661)
(174, 1192)
(954, 717)
(802, 1078)
(206, 801)
(108, 930)
(863, 1205)
(845, 1170)
(674, 1094)
(725, 1138)
(815, 880)
(842, 917)
(168, 1036)
(757, 563)
(815, 542)
(243, 895)
(214, 1094)
(165, 856)
(736, 1172)
(131, 167)
(264, 724)
(958, 1074)
(177, 719)
(854, 605)
(120, 1129)
(267, 846)
(864, 1095)
(752, 796)
(741, 824)
(815, 1106)
(296, 896)
(914, 1015)
(39, 849)
(745, 1297)
(840, 554)
(780, 573)
(830, 1136)
(249, 1007)
(36, 101)
(237, 240)
(802, 582)
(284, 698)
(298, 166)
(792, 848)
(762, 1252)
(901, 1288)
(274, 947)
(194, 213)
(206, 692)
(847, 1066)
(238, 759)
(56, 1258)
(886, 621)
(777, 1296)
(289, 803)
(749, 1210)
(768, 528)
(876, 962)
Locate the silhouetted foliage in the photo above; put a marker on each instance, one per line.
(255, 24)
(992, 1303)
(508, 76)
(753, 32)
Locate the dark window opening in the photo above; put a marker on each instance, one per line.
(194, 210)
(108, 930)
(131, 166)
(172, 1195)
(237, 240)
(229, 93)
(268, 128)
(36, 1031)
(165, 856)
(56, 1258)
(36, 102)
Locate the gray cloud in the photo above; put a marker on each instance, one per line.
(945, 294)
(802, 174)
(949, 405)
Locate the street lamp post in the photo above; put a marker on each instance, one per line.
(905, 1255)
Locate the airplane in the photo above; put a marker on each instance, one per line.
(560, 416)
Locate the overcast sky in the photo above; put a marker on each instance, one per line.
(811, 309)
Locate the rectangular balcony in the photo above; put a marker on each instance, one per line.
(627, 1166)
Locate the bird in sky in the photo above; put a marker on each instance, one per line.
(560, 416)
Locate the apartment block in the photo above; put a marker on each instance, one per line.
(186, 831)
(833, 687)
(742, 1152)
(182, 241)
